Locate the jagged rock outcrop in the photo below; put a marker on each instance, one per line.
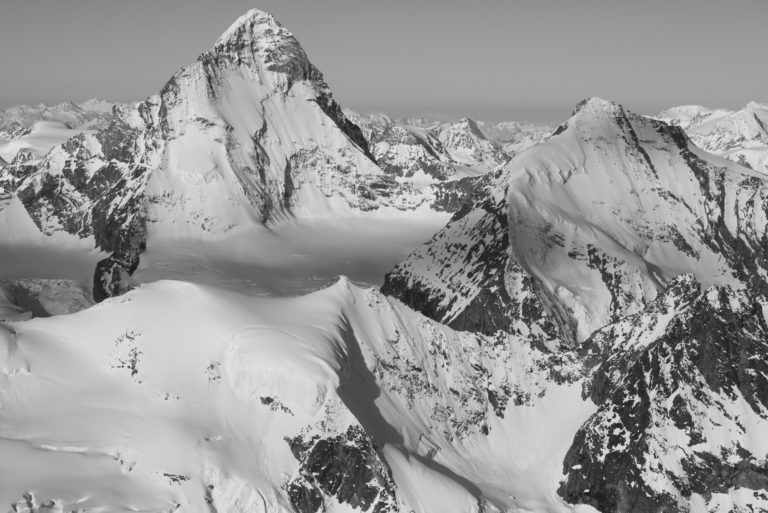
(682, 390)
(345, 467)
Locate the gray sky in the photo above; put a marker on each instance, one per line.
(490, 59)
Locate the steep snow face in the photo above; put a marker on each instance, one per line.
(465, 278)
(246, 135)
(176, 396)
(682, 389)
(599, 217)
(618, 204)
(740, 136)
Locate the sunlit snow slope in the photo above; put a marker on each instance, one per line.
(600, 217)
(182, 397)
(578, 246)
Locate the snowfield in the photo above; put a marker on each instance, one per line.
(180, 396)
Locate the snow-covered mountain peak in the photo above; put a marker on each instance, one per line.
(465, 128)
(258, 39)
(754, 106)
(596, 107)
(251, 25)
(248, 134)
(740, 136)
(468, 146)
(597, 117)
(468, 124)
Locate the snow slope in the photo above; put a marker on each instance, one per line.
(179, 396)
(577, 247)
(740, 136)
(601, 216)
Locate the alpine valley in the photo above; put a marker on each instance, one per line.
(236, 296)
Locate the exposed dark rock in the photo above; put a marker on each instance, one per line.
(345, 467)
(453, 195)
(289, 187)
(707, 352)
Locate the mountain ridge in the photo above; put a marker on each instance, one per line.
(247, 134)
(549, 193)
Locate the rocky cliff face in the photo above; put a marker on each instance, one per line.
(682, 390)
(465, 277)
(346, 468)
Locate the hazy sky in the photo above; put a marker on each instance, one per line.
(490, 59)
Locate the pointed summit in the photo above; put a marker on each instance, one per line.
(248, 22)
(257, 39)
(247, 134)
(600, 216)
(597, 107)
(591, 112)
(470, 125)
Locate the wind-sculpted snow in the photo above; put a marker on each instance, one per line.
(598, 219)
(181, 397)
(682, 390)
